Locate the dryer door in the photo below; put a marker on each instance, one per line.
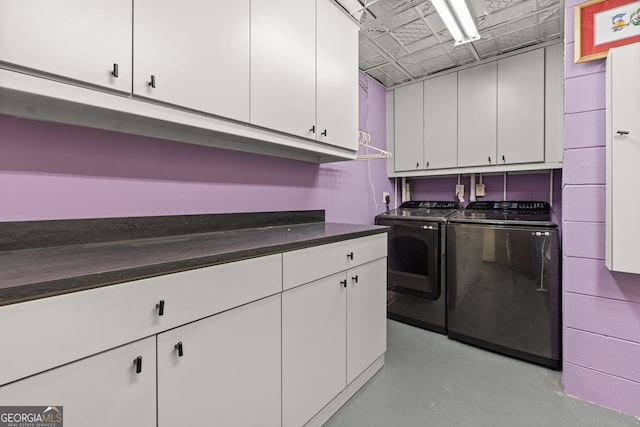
(414, 255)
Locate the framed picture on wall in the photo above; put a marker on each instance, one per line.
(603, 24)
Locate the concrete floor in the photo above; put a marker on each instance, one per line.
(430, 380)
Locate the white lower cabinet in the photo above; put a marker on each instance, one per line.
(332, 330)
(104, 390)
(313, 347)
(366, 319)
(224, 345)
(223, 370)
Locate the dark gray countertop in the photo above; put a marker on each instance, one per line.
(34, 273)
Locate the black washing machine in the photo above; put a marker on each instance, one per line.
(503, 278)
(416, 289)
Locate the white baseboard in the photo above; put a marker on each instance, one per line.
(346, 394)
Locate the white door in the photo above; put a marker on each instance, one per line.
(477, 100)
(623, 158)
(409, 127)
(196, 51)
(104, 390)
(521, 108)
(283, 66)
(313, 347)
(77, 39)
(366, 316)
(441, 122)
(229, 372)
(337, 77)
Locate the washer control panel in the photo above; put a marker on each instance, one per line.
(530, 206)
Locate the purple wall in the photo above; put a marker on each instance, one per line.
(601, 309)
(57, 171)
(530, 186)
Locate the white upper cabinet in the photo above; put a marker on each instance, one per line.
(441, 122)
(194, 54)
(276, 77)
(503, 115)
(554, 103)
(477, 100)
(337, 77)
(409, 146)
(623, 157)
(521, 108)
(87, 41)
(283, 66)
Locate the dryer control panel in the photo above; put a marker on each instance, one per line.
(419, 204)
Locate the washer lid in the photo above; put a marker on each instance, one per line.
(421, 210)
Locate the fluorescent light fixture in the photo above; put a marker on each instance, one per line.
(457, 18)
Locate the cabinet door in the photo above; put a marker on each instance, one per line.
(77, 39)
(337, 77)
(283, 65)
(198, 53)
(477, 98)
(229, 371)
(102, 390)
(366, 316)
(441, 122)
(313, 347)
(409, 127)
(391, 132)
(623, 157)
(554, 103)
(521, 108)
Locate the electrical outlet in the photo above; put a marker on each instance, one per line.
(384, 197)
(459, 189)
(481, 190)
